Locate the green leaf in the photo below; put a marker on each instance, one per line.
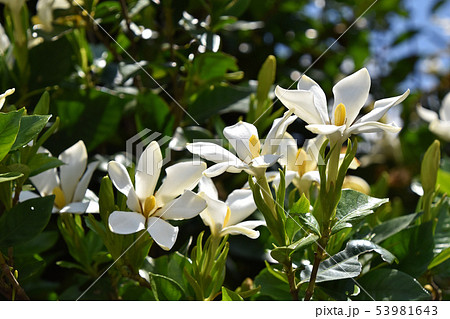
(443, 180)
(228, 295)
(352, 207)
(211, 66)
(42, 242)
(271, 286)
(442, 231)
(25, 221)
(30, 126)
(281, 254)
(10, 176)
(345, 263)
(42, 162)
(9, 127)
(391, 285)
(413, 247)
(440, 258)
(301, 209)
(42, 107)
(391, 227)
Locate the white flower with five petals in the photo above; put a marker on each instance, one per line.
(439, 124)
(150, 210)
(251, 156)
(227, 217)
(309, 103)
(70, 186)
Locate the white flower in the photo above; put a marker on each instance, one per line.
(309, 103)
(70, 185)
(227, 217)
(439, 124)
(251, 156)
(45, 10)
(4, 95)
(149, 210)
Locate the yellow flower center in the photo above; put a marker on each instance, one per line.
(300, 161)
(60, 199)
(254, 146)
(227, 217)
(339, 115)
(149, 206)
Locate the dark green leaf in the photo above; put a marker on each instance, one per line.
(442, 231)
(30, 126)
(390, 285)
(25, 221)
(272, 287)
(345, 263)
(43, 105)
(37, 245)
(440, 258)
(42, 162)
(391, 227)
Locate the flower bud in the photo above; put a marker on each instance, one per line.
(430, 167)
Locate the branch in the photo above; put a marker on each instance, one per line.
(20, 293)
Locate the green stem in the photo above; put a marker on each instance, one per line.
(319, 255)
(290, 273)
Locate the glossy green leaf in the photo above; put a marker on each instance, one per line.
(272, 287)
(391, 227)
(9, 127)
(30, 127)
(352, 207)
(345, 263)
(25, 221)
(442, 231)
(391, 285)
(42, 162)
(440, 258)
(42, 107)
(229, 295)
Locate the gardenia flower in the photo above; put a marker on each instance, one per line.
(150, 210)
(251, 156)
(309, 103)
(4, 95)
(70, 185)
(439, 126)
(227, 217)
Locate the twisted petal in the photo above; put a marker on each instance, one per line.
(75, 208)
(148, 168)
(212, 152)
(214, 214)
(276, 133)
(206, 186)
(186, 206)
(82, 186)
(75, 159)
(239, 136)
(426, 114)
(301, 103)
(381, 107)
(126, 222)
(352, 91)
(241, 205)
(320, 100)
(372, 127)
(120, 178)
(244, 228)
(324, 129)
(179, 177)
(163, 233)
(4, 95)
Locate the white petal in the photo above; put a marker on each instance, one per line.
(145, 184)
(372, 127)
(150, 163)
(212, 152)
(426, 114)
(274, 178)
(83, 184)
(356, 183)
(214, 213)
(288, 151)
(241, 205)
(26, 195)
(381, 107)
(444, 112)
(46, 181)
(179, 177)
(352, 91)
(441, 129)
(239, 137)
(219, 169)
(312, 176)
(301, 102)
(75, 208)
(133, 201)
(120, 178)
(265, 160)
(325, 129)
(320, 100)
(244, 228)
(276, 133)
(126, 222)
(4, 95)
(186, 206)
(206, 185)
(93, 207)
(75, 159)
(163, 233)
